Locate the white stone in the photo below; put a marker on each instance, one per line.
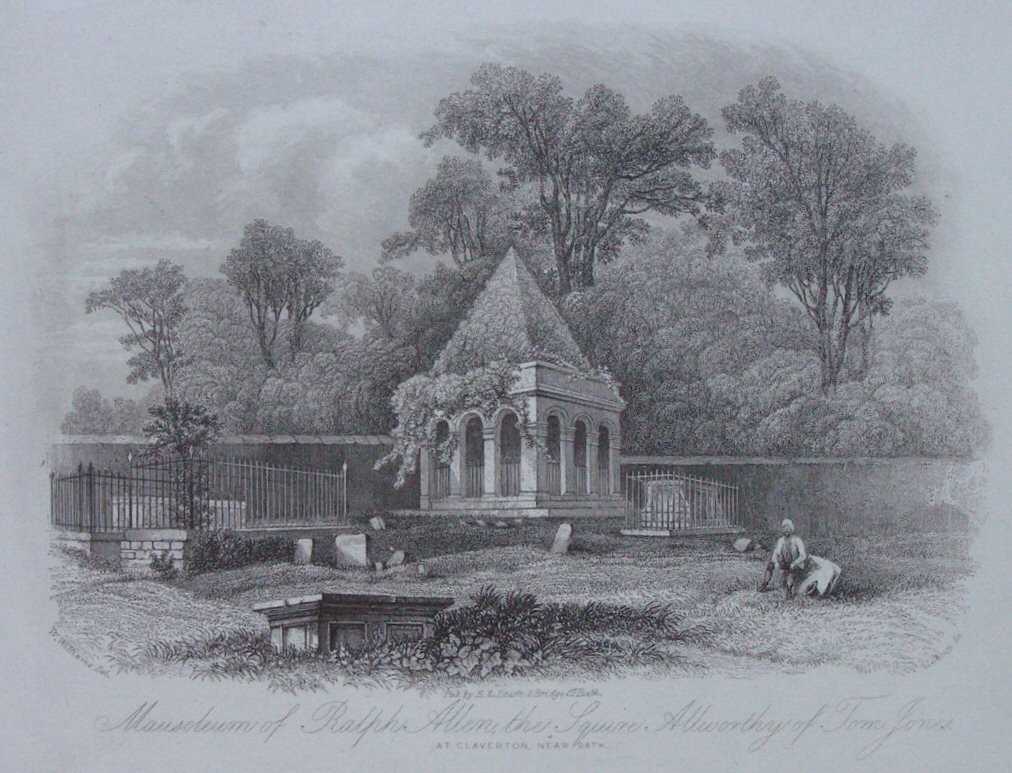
(352, 549)
(396, 559)
(742, 544)
(303, 552)
(377, 523)
(561, 542)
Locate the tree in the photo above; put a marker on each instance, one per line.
(459, 212)
(679, 329)
(274, 273)
(180, 428)
(819, 202)
(311, 276)
(92, 414)
(150, 302)
(595, 165)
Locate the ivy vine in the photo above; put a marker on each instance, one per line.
(423, 399)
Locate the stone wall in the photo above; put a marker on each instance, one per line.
(841, 496)
(139, 546)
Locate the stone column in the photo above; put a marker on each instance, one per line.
(533, 470)
(592, 463)
(616, 469)
(491, 483)
(457, 461)
(567, 463)
(424, 474)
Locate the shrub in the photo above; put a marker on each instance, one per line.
(505, 634)
(212, 550)
(164, 566)
(498, 634)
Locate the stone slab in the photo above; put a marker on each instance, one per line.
(303, 552)
(352, 550)
(560, 545)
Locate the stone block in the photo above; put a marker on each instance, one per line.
(560, 544)
(153, 534)
(352, 550)
(161, 545)
(147, 544)
(743, 544)
(377, 523)
(176, 545)
(396, 559)
(303, 552)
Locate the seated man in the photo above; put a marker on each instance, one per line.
(799, 572)
(789, 557)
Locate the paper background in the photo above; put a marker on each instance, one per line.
(67, 67)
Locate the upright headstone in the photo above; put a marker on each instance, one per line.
(742, 544)
(561, 542)
(303, 551)
(352, 549)
(396, 559)
(377, 523)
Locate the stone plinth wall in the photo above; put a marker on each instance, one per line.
(139, 546)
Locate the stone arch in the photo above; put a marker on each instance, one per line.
(553, 452)
(581, 453)
(473, 454)
(439, 485)
(462, 419)
(509, 448)
(604, 456)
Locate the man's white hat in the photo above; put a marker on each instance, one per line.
(787, 525)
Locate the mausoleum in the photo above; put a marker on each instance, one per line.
(570, 413)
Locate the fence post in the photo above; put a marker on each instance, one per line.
(344, 490)
(91, 496)
(52, 498)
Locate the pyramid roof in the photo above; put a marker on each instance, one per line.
(511, 320)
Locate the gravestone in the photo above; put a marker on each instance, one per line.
(396, 559)
(561, 543)
(743, 544)
(352, 549)
(377, 523)
(303, 552)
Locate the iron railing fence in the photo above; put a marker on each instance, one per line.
(441, 481)
(663, 499)
(474, 485)
(197, 493)
(509, 481)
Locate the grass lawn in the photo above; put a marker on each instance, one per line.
(896, 608)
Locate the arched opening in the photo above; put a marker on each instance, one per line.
(474, 458)
(509, 456)
(580, 456)
(440, 468)
(603, 461)
(554, 454)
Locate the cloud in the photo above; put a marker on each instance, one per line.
(277, 129)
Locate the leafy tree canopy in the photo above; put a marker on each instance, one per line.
(594, 164)
(821, 205)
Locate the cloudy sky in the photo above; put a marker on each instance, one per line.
(137, 131)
